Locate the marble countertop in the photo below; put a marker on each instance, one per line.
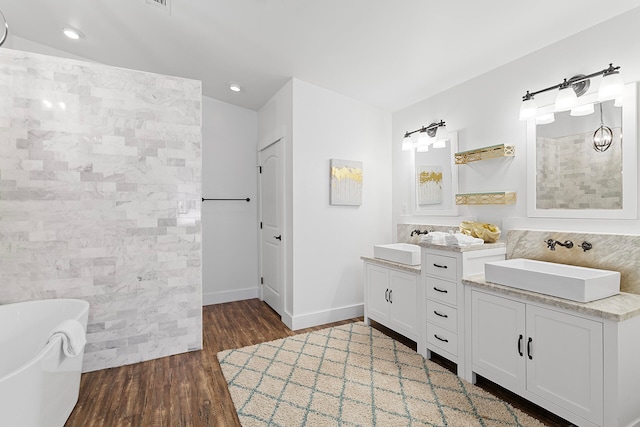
(410, 268)
(617, 308)
(462, 248)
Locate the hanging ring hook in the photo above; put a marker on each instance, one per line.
(6, 29)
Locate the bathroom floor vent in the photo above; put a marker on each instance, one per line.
(164, 5)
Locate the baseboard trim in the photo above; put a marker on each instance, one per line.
(230, 296)
(323, 317)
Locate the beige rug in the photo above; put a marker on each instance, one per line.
(353, 375)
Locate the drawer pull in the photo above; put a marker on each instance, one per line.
(441, 339)
(439, 314)
(386, 295)
(439, 266)
(529, 348)
(444, 291)
(390, 293)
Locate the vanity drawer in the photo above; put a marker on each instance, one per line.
(442, 291)
(441, 266)
(442, 315)
(441, 338)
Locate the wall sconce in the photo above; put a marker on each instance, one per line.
(435, 135)
(569, 91)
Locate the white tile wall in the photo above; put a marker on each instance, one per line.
(100, 186)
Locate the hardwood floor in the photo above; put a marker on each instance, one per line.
(190, 390)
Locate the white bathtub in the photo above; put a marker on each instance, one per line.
(39, 385)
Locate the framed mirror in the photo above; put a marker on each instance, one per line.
(570, 177)
(435, 180)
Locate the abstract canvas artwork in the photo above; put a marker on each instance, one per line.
(429, 185)
(346, 182)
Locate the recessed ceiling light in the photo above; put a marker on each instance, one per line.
(72, 33)
(235, 87)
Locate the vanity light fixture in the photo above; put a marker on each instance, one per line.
(570, 89)
(435, 134)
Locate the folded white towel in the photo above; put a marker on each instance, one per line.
(460, 239)
(73, 337)
(434, 237)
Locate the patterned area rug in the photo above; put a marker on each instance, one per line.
(353, 375)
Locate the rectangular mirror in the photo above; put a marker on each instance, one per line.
(435, 180)
(567, 177)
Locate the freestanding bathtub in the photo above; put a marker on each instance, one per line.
(39, 385)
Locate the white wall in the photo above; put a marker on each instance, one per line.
(275, 123)
(329, 240)
(230, 232)
(323, 244)
(484, 111)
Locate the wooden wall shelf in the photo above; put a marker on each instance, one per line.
(484, 153)
(493, 198)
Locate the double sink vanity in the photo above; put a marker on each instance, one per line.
(561, 336)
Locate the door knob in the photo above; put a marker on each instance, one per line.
(278, 237)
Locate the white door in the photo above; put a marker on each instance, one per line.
(498, 340)
(566, 362)
(403, 304)
(377, 282)
(271, 258)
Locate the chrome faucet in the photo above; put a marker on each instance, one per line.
(551, 244)
(418, 232)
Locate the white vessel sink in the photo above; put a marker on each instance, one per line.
(580, 284)
(403, 253)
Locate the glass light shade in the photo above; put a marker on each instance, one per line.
(423, 142)
(566, 99)
(407, 143)
(545, 119)
(582, 110)
(618, 102)
(611, 87)
(528, 109)
(442, 136)
(422, 148)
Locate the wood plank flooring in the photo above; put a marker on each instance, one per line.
(190, 390)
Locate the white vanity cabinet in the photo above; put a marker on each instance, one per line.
(577, 360)
(443, 296)
(391, 298)
(536, 351)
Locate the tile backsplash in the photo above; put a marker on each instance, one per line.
(617, 252)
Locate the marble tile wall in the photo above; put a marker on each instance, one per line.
(404, 231)
(100, 186)
(615, 252)
(575, 176)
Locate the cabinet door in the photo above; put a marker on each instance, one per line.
(566, 361)
(498, 340)
(403, 301)
(377, 282)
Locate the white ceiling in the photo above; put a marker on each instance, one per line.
(387, 53)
